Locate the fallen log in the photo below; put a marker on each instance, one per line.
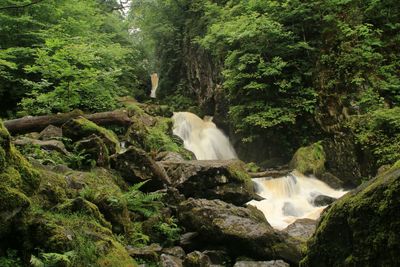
(38, 123)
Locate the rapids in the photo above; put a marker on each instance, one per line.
(286, 199)
(291, 197)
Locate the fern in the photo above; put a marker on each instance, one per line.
(147, 204)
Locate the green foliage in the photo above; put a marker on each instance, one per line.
(80, 54)
(45, 157)
(147, 204)
(52, 259)
(379, 133)
(169, 230)
(10, 260)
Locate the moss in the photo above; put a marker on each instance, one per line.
(238, 172)
(79, 128)
(309, 160)
(117, 256)
(362, 228)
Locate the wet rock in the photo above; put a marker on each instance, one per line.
(301, 228)
(150, 252)
(322, 200)
(135, 165)
(95, 148)
(362, 227)
(277, 263)
(212, 179)
(241, 230)
(51, 132)
(80, 128)
(197, 259)
(170, 261)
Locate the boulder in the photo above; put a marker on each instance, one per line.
(47, 145)
(150, 252)
(80, 128)
(96, 149)
(241, 230)
(18, 181)
(170, 261)
(211, 179)
(50, 132)
(197, 259)
(301, 228)
(312, 160)
(83, 206)
(135, 165)
(322, 200)
(362, 228)
(277, 263)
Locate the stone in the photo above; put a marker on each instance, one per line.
(135, 165)
(197, 259)
(50, 132)
(241, 230)
(322, 200)
(361, 228)
(47, 145)
(301, 228)
(167, 260)
(80, 128)
(150, 252)
(211, 179)
(276, 263)
(95, 148)
(175, 251)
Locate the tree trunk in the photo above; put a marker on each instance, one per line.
(36, 124)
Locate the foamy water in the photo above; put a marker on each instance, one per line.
(290, 198)
(287, 198)
(202, 137)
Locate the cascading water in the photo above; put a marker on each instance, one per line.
(202, 137)
(285, 199)
(291, 197)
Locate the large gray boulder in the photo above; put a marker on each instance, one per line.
(211, 179)
(244, 231)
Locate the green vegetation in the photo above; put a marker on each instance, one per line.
(80, 54)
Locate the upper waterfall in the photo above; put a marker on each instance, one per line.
(202, 137)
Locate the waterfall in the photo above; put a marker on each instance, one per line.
(286, 199)
(291, 197)
(202, 137)
(154, 84)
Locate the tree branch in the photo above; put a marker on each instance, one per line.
(21, 6)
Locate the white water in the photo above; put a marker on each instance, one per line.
(287, 198)
(202, 137)
(154, 85)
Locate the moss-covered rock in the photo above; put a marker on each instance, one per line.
(309, 160)
(18, 181)
(317, 159)
(135, 165)
(80, 128)
(226, 179)
(362, 228)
